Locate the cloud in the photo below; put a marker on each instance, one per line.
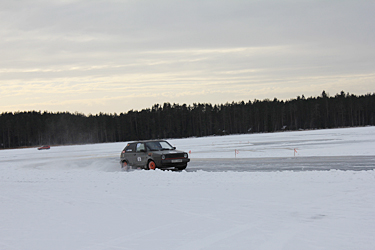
(132, 54)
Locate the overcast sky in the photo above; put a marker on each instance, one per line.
(116, 55)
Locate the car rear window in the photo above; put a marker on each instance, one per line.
(130, 148)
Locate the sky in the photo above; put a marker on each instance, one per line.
(113, 56)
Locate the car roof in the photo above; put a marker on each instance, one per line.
(147, 141)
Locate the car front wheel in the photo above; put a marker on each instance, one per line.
(151, 165)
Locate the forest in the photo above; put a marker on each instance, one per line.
(34, 128)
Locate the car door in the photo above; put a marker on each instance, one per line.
(141, 155)
(130, 154)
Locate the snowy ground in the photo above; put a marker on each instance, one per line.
(76, 197)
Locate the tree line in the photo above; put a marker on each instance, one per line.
(32, 128)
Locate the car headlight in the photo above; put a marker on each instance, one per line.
(186, 155)
(163, 157)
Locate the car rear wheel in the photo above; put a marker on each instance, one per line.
(124, 165)
(151, 165)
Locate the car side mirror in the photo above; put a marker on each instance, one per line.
(174, 148)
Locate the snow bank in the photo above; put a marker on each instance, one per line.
(84, 209)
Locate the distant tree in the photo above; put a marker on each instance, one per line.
(31, 128)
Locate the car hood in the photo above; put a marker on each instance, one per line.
(164, 152)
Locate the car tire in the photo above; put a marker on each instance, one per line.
(151, 165)
(124, 165)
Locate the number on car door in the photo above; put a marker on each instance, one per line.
(141, 155)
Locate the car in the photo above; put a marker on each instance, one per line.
(153, 154)
(44, 147)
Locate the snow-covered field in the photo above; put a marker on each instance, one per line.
(76, 197)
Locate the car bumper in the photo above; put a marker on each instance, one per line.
(173, 163)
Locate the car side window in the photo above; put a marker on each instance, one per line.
(140, 147)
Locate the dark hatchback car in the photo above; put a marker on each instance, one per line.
(153, 154)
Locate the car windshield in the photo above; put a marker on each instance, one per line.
(158, 145)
